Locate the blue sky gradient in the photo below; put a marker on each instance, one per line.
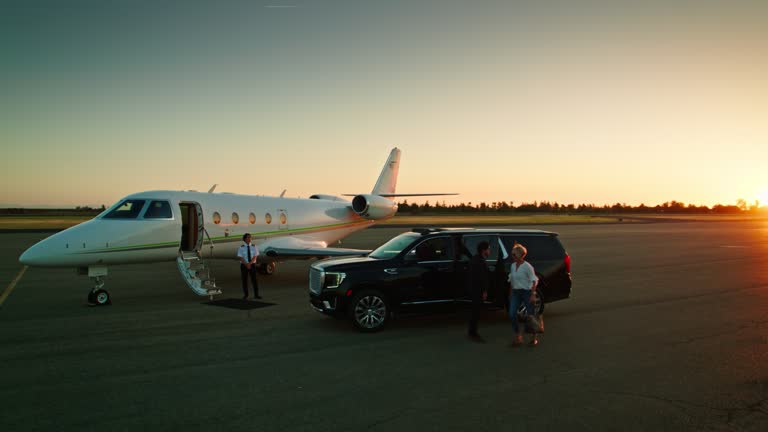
(575, 102)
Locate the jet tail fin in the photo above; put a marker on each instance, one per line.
(387, 181)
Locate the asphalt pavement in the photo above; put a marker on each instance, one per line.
(667, 329)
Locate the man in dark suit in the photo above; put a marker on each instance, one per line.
(478, 281)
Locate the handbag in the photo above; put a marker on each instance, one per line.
(533, 325)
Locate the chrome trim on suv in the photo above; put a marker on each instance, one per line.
(316, 280)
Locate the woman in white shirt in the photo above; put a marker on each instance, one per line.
(522, 283)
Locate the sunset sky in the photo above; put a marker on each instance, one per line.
(572, 101)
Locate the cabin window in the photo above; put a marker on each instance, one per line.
(252, 218)
(128, 209)
(216, 218)
(235, 218)
(158, 210)
(268, 218)
(283, 219)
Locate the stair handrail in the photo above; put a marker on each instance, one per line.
(209, 240)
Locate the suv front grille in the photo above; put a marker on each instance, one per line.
(316, 279)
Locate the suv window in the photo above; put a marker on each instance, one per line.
(470, 243)
(540, 247)
(158, 210)
(434, 249)
(394, 246)
(128, 209)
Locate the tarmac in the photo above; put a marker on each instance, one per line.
(667, 329)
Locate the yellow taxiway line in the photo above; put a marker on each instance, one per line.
(12, 285)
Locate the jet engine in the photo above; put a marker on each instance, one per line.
(373, 206)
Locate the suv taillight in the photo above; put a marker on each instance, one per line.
(567, 263)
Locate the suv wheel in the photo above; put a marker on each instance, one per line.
(369, 310)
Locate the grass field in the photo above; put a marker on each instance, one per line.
(62, 222)
(499, 220)
(704, 217)
(40, 222)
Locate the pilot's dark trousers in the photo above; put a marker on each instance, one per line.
(244, 273)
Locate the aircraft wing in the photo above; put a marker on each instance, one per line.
(294, 248)
(393, 195)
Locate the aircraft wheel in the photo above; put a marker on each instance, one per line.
(269, 268)
(101, 297)
(91, 297)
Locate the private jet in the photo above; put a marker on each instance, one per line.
(190, 227)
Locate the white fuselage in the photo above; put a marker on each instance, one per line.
(272, 221)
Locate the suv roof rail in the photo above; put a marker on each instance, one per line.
(423, 231)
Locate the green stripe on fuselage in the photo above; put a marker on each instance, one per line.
(134, 248)
(224, 239)
(229, 238)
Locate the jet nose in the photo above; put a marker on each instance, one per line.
(33, 256)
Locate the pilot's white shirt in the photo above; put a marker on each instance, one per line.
(242, 252)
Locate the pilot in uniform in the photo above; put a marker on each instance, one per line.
(248, 254)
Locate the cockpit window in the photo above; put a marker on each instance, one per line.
(128, 209)
(158, 210)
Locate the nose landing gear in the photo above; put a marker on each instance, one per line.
(268, 268)
(98, 295)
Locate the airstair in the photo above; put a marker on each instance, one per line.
(197, 274)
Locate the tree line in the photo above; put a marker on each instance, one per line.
(496, 207)
(504, 207)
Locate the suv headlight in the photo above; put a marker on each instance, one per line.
(333, 280)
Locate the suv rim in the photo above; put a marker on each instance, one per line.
(370, 311)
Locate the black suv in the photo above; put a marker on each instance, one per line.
(429, 266)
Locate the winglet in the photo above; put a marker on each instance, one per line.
(212, 188)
